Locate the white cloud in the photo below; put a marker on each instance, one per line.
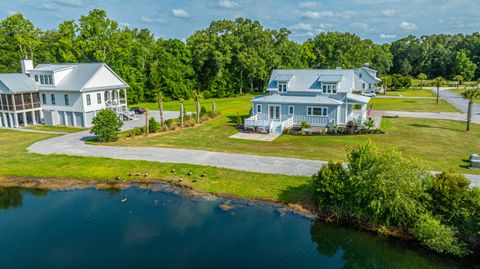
(72, 3)
(317, 14)
(387, 36)
(388, 12)
(228, 4)
(151, 20)
(301, 27)
(181, 13)
(408, 26)
(309, 5)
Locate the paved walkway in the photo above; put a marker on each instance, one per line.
(255, 136)
(402, 97)
(428, 115)
(456, 100)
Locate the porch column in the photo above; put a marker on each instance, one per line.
(125, 96)
(74, 121)
(11, 125)
(34, 120)
(24, 115)
(41, 116)
(363, 113)
(346, 110)
(65, 118)
(1, 119)
(15, 120)
(85, 124)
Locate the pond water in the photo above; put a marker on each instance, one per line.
(156, 229)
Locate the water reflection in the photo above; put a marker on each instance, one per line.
(13, 197)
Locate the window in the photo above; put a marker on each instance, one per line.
(324, 88)
(282, 86)
(363, 86)
(42, 79)
(291, 110)
(99, 98)
(360, 75)
(369, 86)
(52, 96)
(36, 78)
(44, 98)
(89, 101)
(259, 108)
(67, 102)
(329, 88)
(317, 111)
(334, 88)
(50, 80)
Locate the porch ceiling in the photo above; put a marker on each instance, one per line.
(308, 100)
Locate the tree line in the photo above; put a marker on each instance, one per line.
(229, 57)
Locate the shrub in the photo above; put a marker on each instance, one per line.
(238, 120)
(436, 236)
(168, 123)
(106, 125)
(203, 110)
(305, 125)
(331, 187)
(153, 125)
(137, 131)
(369, 123)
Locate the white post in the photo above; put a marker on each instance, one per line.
(84, 119)
(41, 116)
(74, 121)
(24, 115)
(34, 120)
(346, 109)
(65, 118)
(1, 119)
(15, 119)
(11, 125)
(125, 95)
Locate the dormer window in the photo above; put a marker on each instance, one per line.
(282, 86)
(44, 79)
(329, 88)
(360, 75)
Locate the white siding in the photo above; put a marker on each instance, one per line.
(75, 102)
(58, 76)
(103, 78)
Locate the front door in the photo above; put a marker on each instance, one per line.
(274, 112)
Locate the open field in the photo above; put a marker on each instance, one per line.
(438, 144)
(16, 161)
(413, 105)
(63, 129)
(411, 92)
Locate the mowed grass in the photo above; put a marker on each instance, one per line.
(413, 105)
(438, 144)
(411, 92)
(63, 129)
(16, 161)
(227, 106)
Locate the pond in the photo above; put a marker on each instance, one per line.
(158, 229)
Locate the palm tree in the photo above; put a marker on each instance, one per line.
(458, 79)
(182, 111)
(160, 107)
(196, 96)
(439, 81)
(470, 94)
(421, 77)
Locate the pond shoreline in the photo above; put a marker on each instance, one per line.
(306, 210)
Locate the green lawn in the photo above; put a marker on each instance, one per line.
(16, 161)
(413, 105)
(411, 92)
(63, 129)
(439, 144)
(227, 106)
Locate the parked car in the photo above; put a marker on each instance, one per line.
(137, 110)
(369, 94)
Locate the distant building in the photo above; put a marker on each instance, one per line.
(60, 94)
(320, 97)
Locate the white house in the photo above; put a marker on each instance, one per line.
(61, 94)
(320, 97)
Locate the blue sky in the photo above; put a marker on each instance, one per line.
(379, 20)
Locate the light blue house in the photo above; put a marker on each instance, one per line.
(320, 97)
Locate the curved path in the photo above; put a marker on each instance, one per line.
(74, 144)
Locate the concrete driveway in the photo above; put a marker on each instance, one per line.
(456, 100)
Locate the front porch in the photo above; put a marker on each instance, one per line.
(20, 110)
(116, 100)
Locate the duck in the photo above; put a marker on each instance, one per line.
(124, 199)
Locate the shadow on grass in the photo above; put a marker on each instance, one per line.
(232, 119)
(301, 194)
(419, 125)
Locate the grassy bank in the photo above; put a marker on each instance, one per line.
(63, 129)
(411, 92)
(17, 162)
(413, 105)
(438, 144)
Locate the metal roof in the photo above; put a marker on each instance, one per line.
(330, 77)
(288, 99)
(358, 98)
(284, 77)
(306, 80)
(16, 83)
(78, 77)
(52, 67)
